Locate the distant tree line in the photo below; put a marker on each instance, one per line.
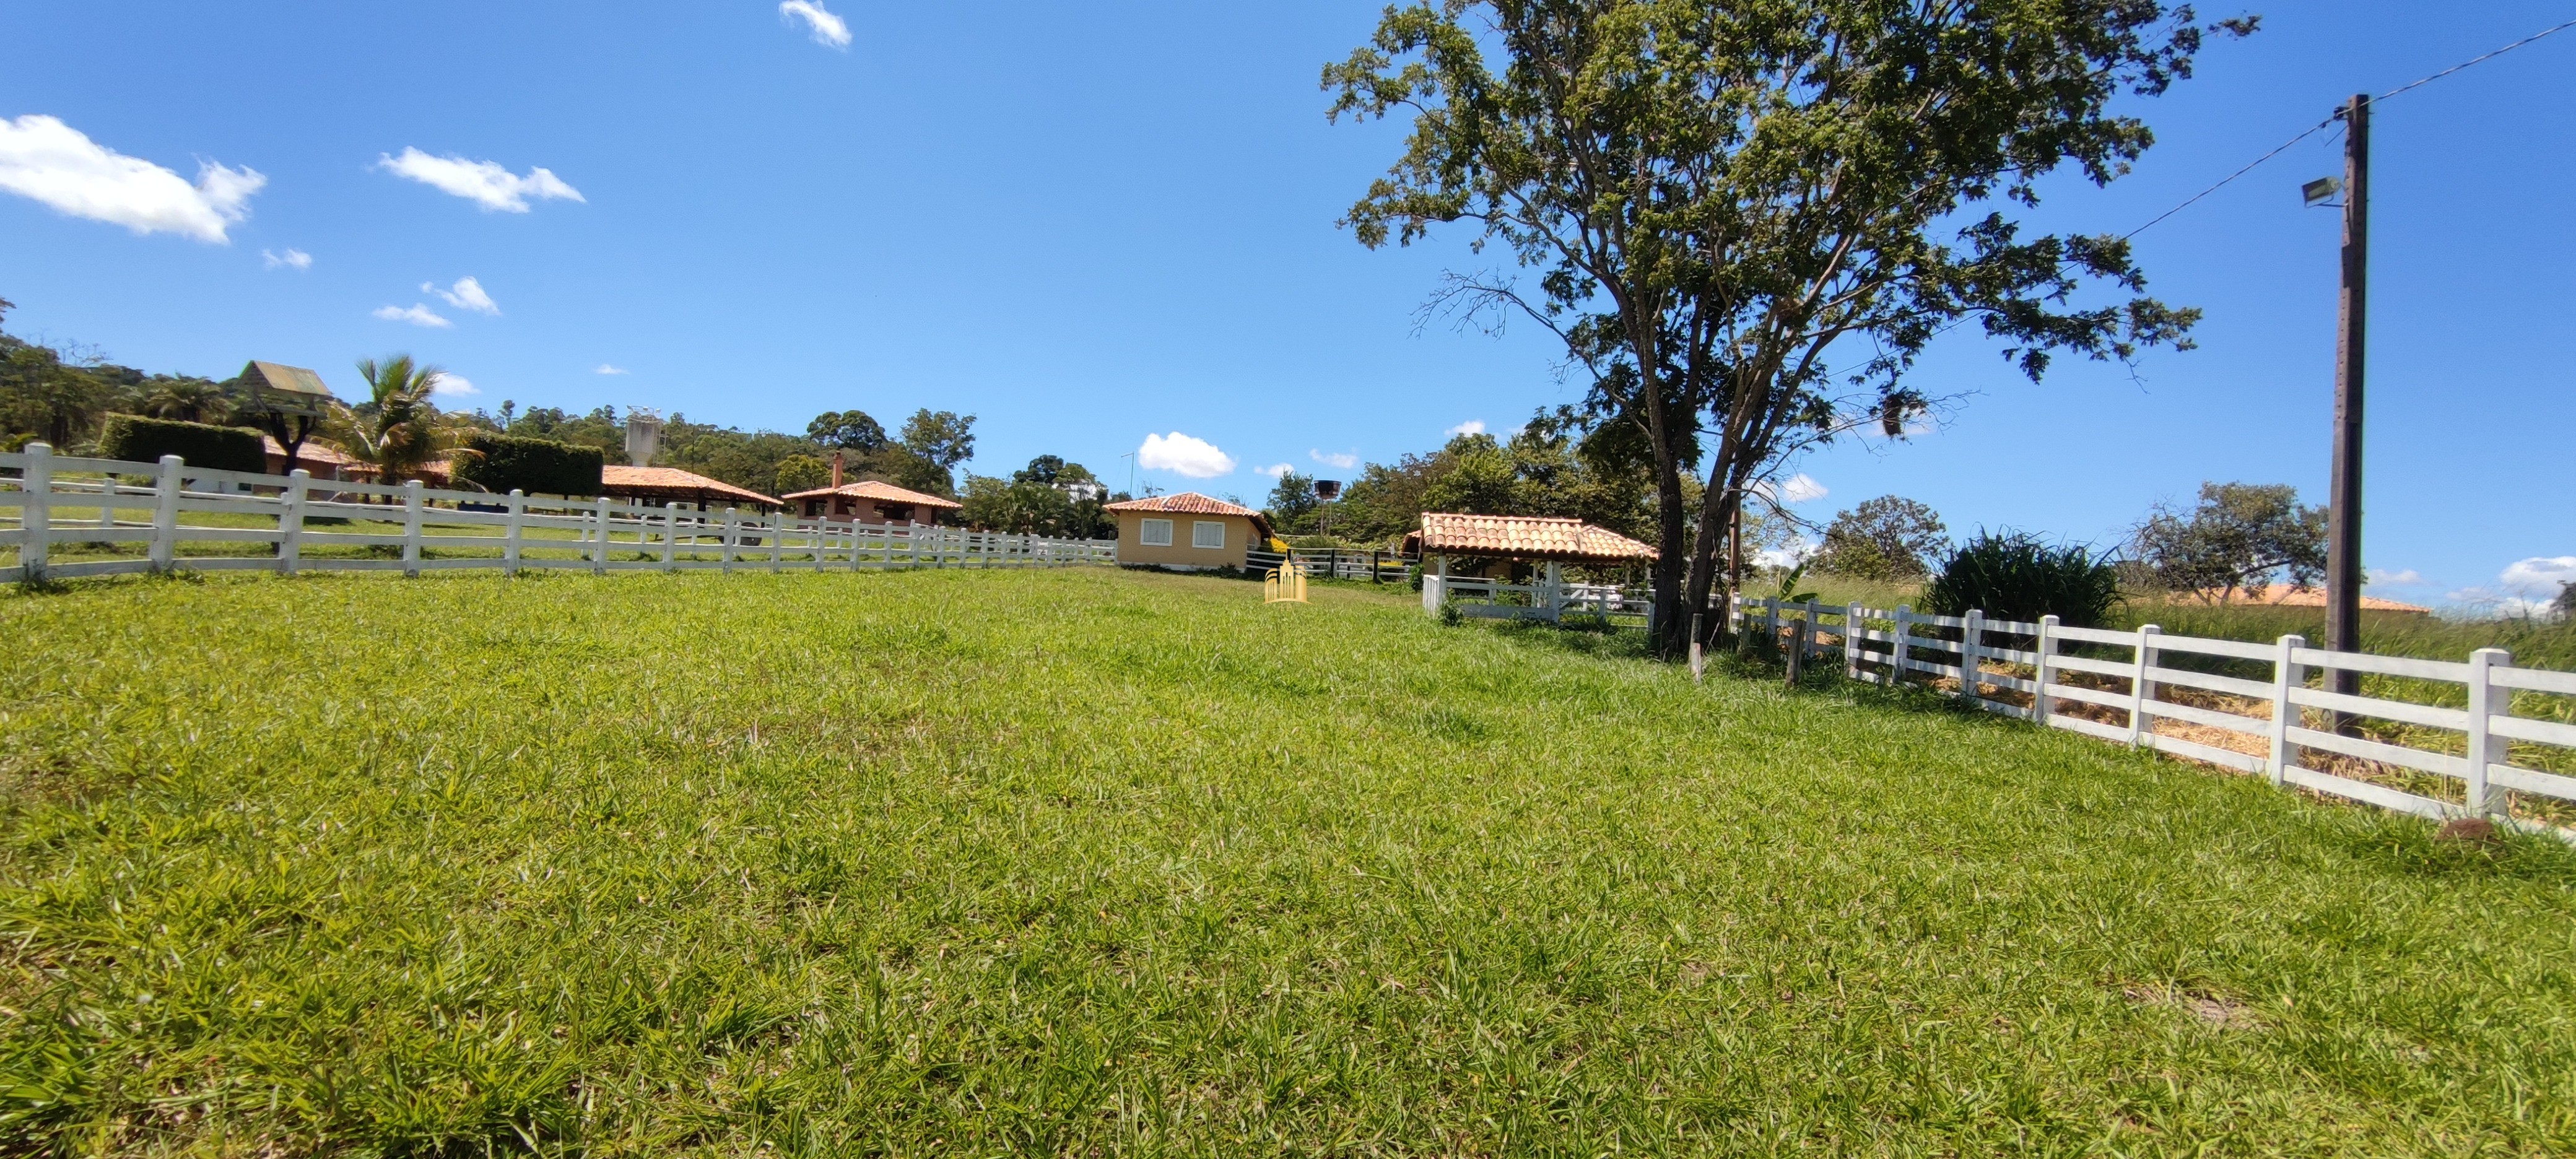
(398, 428)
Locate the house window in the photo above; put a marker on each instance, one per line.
(1155, 533)
(1207, 533)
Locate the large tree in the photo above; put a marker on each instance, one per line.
(1714, 198)
(2239, 536)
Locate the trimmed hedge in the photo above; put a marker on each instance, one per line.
(503, 463)
(137, 439)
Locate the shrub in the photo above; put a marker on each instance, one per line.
(137, 439)
(504, 463)
(2013, 576)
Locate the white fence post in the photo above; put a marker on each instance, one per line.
(599, 547)
(36, 512)
(732, 536)
(2287, 677)
(290, 523)
(777, 538)
(1897, 660)
(1972, 639)
(510, 541)
(2141, 689)
(2486, 748)
(411, 527)
(165, 514)
(1852, 621)
(2044, 670)
(670, 524)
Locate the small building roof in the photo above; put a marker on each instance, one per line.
(673, 483)
(2285, 596)
(1193, 503)
(881, 492)
(1527, 537)
(315, 452)
(284, 389)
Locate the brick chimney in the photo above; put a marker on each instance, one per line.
(836, 470)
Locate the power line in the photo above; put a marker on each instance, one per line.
(2479, 60)
(2283, 147)
(2321, 125)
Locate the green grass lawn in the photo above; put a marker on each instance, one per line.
(1087, 861)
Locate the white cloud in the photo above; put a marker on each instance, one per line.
(2409, 578)
(419, 315)
(1469, 427)
(1181, 454)
(1336, 459)
(2539, 575)
(1790, 556)
(44, 159)
(1801, 488)
(466, 294)
(825, 28)
(1274, 470)
(293, 259)
(485, 183)
(455, 385)
(2487, 603)
(605, 368)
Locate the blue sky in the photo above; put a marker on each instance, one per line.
(1088, 224)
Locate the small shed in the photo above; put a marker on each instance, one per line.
(1188, 530)
(1547, 540)
(871, 501)
(276, 388)
(659, 485)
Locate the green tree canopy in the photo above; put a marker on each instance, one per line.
(850, 430)
(1887, 538)
(1712, 197)
(2240, 535)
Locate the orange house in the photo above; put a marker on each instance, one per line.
(1188, 530)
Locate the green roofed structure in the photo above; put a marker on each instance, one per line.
(285, 401)
(276, 388)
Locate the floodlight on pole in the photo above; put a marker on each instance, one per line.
(2320, 191)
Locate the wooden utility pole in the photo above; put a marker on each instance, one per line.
(2343, 526)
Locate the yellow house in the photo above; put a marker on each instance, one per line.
(1188, 530)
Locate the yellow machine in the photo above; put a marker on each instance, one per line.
(1284, 585)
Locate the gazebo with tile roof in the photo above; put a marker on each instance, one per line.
(871, 501)
(1541, 539)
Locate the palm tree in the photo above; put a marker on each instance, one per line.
(192, 400)
(397, 429)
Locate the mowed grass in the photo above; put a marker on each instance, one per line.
(1087, 861)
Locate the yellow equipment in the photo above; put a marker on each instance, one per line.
(1284, 585)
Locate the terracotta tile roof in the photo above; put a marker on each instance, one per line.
(880, 491)
(1193, 503)
(672, 482)
(1527, 537)
(2285, 596)
(1186, 503)
(313, 452)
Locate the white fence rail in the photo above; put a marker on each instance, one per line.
(296, 517)
(2479, 726)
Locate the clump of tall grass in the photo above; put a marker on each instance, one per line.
(2012, 575)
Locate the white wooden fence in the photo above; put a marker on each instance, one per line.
(298, 517)
(2120, 686)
